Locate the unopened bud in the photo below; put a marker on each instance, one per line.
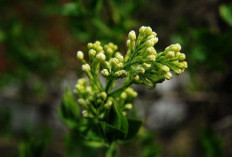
(86, 67)
(105, 72)
(168, 76)
(132, 35)
(80, 55)
(101, 56)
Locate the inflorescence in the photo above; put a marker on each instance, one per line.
(141, 65)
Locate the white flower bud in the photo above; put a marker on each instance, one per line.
(102, 95)
(151, 51)
(97, 43)
(182, 56)
(132, 35)
(92, 52)
(148, 30)
(131, 92)
(136, 78)
(149, 43)
(108, 104)
(184, 64)
(128, 106)
(86, 67)
(119, 66)
(88, 89)
(145, 65)
(165, 68)
(170, 54)
(101, 56)
(119, 56)
(81, 101)
(109, 51)
(121, 73)
(90, 45)
(105, 72)
(151, 58)
(177, 71)
(142, 30)
(85, 113)
(168, 76)
(114, 61)
(155, 40)
(154, 34)
(124, 95)
(139, 70)
(80, 55)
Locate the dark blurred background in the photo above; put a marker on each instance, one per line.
(189, 116)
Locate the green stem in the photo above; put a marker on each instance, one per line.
(108, 85)
(118, 91)
(112, 151)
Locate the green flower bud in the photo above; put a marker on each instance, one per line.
(114, 61)
(132, 35)
(168, 76)
(151, 58)
(86, 67)
(165, 68)
(184, 64)
(124, 95)
(82, 102)
(119, 56)
(170, 54)
(92, 52)
(120, 73)
(108, 104)
(80, 55)
(142, 30)
(177, 71)
(175, 47)
(128, 106)
(145, 65)
(90, 45)
(97, 43)
(148, 30)
(154, 34)
(151, 51)
(105, 72)
(101, 57)
(102, 95)
(131, 92)
(119, 66)
(139, 70)
(136, 78)
(85, 113)
(182, 57)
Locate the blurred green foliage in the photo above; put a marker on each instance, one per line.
(226, 13)
(211, 143)
(111, 18)
(34, 144)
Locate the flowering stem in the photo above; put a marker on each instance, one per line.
(118, 91)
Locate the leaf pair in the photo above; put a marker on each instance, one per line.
(118, 127)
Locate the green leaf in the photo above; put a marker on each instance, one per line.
(69, 112)
(134, 126)
(114, 117)
(115, 126)
(111, 133)
(226, 13)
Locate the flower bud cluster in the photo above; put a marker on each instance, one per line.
(146, 66)
(141, 65)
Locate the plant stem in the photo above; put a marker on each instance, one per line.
(118, 91)
(112, 150)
